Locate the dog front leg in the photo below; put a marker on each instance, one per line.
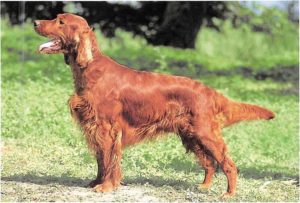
(109, 160)
(99, 178)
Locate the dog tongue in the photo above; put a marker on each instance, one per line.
(50, 47)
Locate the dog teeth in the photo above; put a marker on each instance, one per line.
(46, 45)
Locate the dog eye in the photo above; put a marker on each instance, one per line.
(61, 22)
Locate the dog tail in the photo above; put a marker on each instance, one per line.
(235, 112)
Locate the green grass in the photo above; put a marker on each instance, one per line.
(40, 139)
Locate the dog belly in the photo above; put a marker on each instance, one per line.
(148, 121)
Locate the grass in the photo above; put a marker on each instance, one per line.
(43, 146)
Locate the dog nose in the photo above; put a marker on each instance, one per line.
(36, 23)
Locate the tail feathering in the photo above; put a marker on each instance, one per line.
(240, 112)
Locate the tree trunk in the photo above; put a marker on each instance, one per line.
(181, 23)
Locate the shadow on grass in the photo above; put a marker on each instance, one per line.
(247, 173)
(48, 180)
(78, 182)
(159, 182)
(254, 173)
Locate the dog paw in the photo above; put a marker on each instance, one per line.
(104, 187)
(93, 183)
(227, 195)
(203, 186)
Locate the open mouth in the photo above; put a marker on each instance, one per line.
(51, 47)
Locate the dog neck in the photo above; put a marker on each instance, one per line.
(77, 71)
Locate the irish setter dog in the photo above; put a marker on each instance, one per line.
(117, 106)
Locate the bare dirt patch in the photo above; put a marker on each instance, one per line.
(53, 189)
(15, 191)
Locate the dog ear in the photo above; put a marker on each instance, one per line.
(84, 49)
